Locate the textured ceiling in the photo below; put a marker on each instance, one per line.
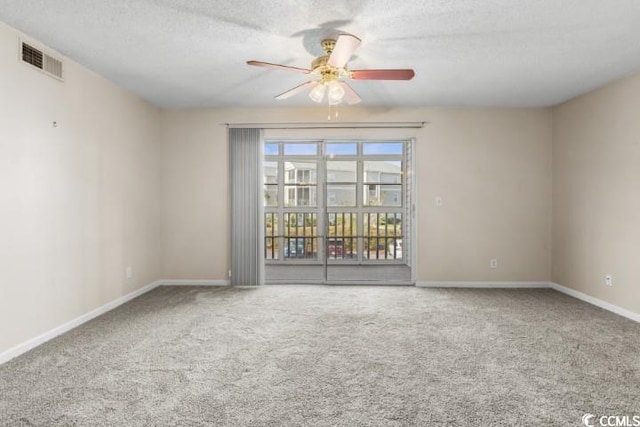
(178, 53)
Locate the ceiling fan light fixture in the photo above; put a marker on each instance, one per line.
(317, 93)
(329, 72)
(336, 93)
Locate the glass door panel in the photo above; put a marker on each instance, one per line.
(382, 236)
(342, 241)
(300, 235)
(334, 211)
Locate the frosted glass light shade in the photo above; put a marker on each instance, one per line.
(336, 93)
(317, 93)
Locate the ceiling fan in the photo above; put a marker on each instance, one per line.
(329, 72)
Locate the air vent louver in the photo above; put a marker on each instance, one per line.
(52, 66)
(31, 55)
(41, 61)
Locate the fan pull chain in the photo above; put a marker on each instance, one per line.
(335, 112)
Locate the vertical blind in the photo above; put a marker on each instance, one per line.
(247, 243)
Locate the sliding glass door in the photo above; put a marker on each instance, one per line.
(337, 211)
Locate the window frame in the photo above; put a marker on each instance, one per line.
(322, 208)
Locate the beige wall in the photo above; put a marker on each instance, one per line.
(78, 202)
(596, 193)
(492, 167)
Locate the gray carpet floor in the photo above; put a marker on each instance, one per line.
(331, 356)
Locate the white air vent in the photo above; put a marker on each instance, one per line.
(46, 63)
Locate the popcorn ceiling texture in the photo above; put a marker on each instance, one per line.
(178, 53)
(331, 356)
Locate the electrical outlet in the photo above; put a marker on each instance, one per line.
(608, 280)
(438, 201)
(129, 273)
(229, 274)
(494, 263)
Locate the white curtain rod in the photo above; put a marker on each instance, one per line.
(328, 125)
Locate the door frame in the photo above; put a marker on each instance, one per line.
(409, 214)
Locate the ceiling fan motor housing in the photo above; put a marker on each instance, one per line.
(328, 45)
(319, 65)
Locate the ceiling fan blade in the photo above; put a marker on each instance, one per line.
(382, 74)
(350, 95)
(346, 44)
(297, 89)
(278, 67)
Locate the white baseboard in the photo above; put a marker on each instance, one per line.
(484, 285)
(596, 301)
(195, 283)
(40, 339)
(539, 285)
